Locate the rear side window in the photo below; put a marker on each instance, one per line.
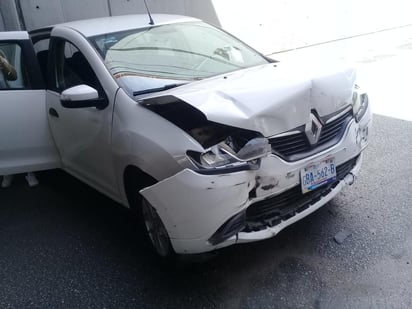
(13, 69)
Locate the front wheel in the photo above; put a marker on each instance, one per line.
(156, 230)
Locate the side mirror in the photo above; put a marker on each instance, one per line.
(82, 96)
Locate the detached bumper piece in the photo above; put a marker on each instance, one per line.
(272, 211)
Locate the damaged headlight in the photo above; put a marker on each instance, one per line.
(360, 103)
(226, 147)
(225, 154)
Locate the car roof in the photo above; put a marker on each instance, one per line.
(97, 26)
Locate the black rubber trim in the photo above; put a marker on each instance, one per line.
(231, 227)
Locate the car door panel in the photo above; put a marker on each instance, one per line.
(83, 135)
(26, 143)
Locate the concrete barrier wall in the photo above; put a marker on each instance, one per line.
(268, 25)
(39, 13)
(2, 24)
(9, 15)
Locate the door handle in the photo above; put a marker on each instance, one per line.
(53, 112)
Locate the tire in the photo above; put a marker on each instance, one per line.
(155, 230)
(149, 221)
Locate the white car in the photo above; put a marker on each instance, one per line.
(211, 142)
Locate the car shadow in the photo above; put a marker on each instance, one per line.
(101, 256)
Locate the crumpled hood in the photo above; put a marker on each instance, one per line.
(272, 98)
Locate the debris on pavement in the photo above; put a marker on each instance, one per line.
(341, 236)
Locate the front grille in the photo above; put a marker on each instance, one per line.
(272, 211)
(335, 129)
(296, 146)
(286, 146)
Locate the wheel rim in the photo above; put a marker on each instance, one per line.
(155, 229)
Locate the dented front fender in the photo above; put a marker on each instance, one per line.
(211, 199)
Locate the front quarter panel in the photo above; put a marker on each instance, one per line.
(143, 139)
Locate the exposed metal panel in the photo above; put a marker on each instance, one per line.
(81, 9)
(122, 7)
(39, 13)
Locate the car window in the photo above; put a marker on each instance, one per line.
(71, 68)
(41, 49)
(174, 52)
(13, 70)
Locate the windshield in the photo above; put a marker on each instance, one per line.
(153, 57)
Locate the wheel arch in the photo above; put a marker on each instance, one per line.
(134, 180)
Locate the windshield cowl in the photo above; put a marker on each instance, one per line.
(151, 90)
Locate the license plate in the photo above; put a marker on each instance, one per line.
(318, 174)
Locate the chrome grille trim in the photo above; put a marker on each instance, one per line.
(295, 145)
(340, 114)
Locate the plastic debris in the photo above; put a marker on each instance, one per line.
(341, 236)
(32, 179)
(7, 180)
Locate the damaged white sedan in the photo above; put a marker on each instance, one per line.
(211, 142)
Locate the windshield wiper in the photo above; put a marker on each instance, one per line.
(165, 87)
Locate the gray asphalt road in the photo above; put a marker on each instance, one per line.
(63, 245)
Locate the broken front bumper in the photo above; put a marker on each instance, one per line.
(205, 212)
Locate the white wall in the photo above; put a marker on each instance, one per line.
(272, 26)
(39, 13)
(203, 9)
(268, 25)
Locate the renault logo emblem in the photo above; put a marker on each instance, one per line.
(313, 129)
